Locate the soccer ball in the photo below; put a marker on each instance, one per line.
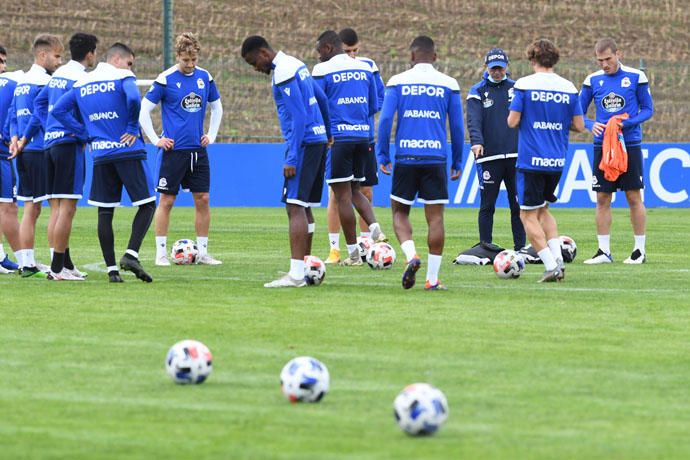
(364, 243)
(568, 248)
(184, 252)
(304, 379)
(314, 270)
(420, 409)
(381, 256)
(189, 361)
(508, 264)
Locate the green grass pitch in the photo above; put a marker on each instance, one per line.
(595, 367)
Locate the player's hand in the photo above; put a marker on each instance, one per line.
(454, 174)
(478, 150)
(289, 171)
(205, 140)
(598, 128)
(128, 139)
(386, 169)
(165, 143)
(16, 147)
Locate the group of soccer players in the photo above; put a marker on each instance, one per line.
(326, 119)
(51, 114)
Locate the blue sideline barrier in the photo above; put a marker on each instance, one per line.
(251, 175)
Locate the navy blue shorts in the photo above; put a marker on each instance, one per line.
(371, 169)
(109, 178)
(629, 180)
(8, 181)
(306, 186)
(535, 189)
(66, 170)
(187, 168)
(429, 183)
(346, 161)
(32, 170)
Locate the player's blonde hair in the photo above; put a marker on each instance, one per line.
(46, 41)
(187, 43)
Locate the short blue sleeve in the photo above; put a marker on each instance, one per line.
(155, 93)
(517, 104)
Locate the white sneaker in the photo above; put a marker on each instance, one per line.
(75, 272)
(636, 258)
(599, 258)
(206, 259)
(42, 267)
(353, 260)
(69, 275)
(286, 282)
(162, 261)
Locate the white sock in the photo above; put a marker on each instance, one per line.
(311, 228)
(52, 251)
(605, 243)
(433, 268)
(132, 253)
(29, 260)
(296, 269)
(161, 246)
(639, 242)
(2, 252)
(19, 254)
(409, 250)
(547, 257)
(352, 248)
(367, 234)
(555, 247)
(202, 245)
(112, 268)
(334, 240)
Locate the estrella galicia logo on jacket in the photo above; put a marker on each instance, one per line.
(191, 102)
(200, 83)
(613, 102)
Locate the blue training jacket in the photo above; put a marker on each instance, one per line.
(109, 102)
(488, 104)
(8, 81)
(424, 99)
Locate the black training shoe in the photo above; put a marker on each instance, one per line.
(114, 277)
(129, 263)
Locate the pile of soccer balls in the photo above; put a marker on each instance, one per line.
(419, 409)
(510, 264)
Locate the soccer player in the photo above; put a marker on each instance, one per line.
(9, 225)
(545, 107)
(64, 152)
(424, 100)
(494, 144)
(183, 91)
(617, 89)
(32, 162)
(351, 46)
(108, 102)
(350, 88)
(302, 108)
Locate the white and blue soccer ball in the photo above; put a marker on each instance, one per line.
(420, 409)
(189, 362)
(184, 252)
(381, 256)
(508, 264)
(314, 270)
(568, 248)
(304, 379)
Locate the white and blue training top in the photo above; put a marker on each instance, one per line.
(548, 103)
(424, 100)
(108, 101)
(22, 106)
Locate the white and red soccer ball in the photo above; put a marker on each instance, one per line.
(568, 248)
(381, 256)
(189, 362)
(508, 264)
(184, 252)
(314, 270)
(365, 243)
